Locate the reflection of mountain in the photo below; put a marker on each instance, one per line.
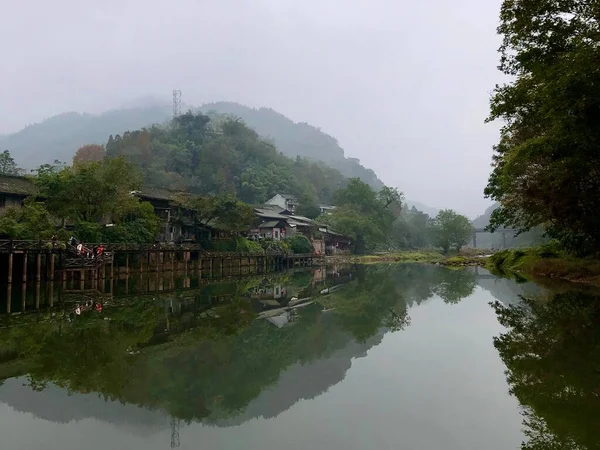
(57, 405)
(216, 364)
(297, 382)
(303, 382)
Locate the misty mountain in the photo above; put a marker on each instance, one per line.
(429, 210)
(60, 136)
(483, 220)
(297, 139)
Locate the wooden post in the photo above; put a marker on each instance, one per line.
(52, 266)
(8, 297)
(37, 295)
(24, 267)
(51, 294)
(38, 267)
(127, 263)
(10, 269)
(23, 296)
(172, 261)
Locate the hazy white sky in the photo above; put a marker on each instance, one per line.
(404, 86)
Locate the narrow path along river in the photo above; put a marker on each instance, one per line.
(398, 356)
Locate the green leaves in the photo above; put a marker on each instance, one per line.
(7, 164)
(451, 229)
(364, 214)
(545, 165)
(31, 222)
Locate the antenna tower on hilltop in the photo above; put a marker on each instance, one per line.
(176, 103)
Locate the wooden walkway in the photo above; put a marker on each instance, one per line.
(59, 260)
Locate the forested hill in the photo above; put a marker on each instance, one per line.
(220, 155)
(297, 139)
(60, 136)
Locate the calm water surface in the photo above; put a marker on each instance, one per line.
(391, 357)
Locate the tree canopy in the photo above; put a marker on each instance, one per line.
(365, 215)
(221, 155)
(545, 168)
(8, 166)
(451, 229)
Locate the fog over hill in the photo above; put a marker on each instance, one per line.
(58, 137)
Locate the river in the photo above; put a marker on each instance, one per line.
(384, 357)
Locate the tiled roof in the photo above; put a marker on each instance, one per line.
(17, 185)
(270, 224)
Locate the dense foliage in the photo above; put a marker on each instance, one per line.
(222, 155)
(94, 197)
(451, 230)
(300, 244)
(31, 222)
(363, 214)
(546, 163)
(297, 139)
(8, 166)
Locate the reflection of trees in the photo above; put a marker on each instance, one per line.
(200, 354)
(454, 285)
(380, 295)
(552, 351)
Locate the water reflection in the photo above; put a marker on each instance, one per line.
(165, 352)
(552, 352)
(206, 341)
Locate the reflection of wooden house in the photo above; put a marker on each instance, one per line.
(13, 190)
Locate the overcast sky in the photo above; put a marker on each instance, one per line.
(404, 86)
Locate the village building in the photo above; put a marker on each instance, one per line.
(286, 202)
(179, 224)
(326, 209)
(278, 223)
(13, 190)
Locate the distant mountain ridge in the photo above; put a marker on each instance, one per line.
(60, 136)
(297, 139)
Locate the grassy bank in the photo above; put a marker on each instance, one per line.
(432, 257)
(541, 262)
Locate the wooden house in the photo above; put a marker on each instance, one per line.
(13, 190)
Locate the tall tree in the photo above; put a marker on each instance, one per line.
(451, 229)
(89, 153)
(365, 215)
(546, 163)
(7, 164)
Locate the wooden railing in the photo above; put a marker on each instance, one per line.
(11, 246)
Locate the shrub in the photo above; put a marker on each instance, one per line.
(300, 244)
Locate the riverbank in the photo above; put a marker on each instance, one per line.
(463, 259)
(538, 262)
